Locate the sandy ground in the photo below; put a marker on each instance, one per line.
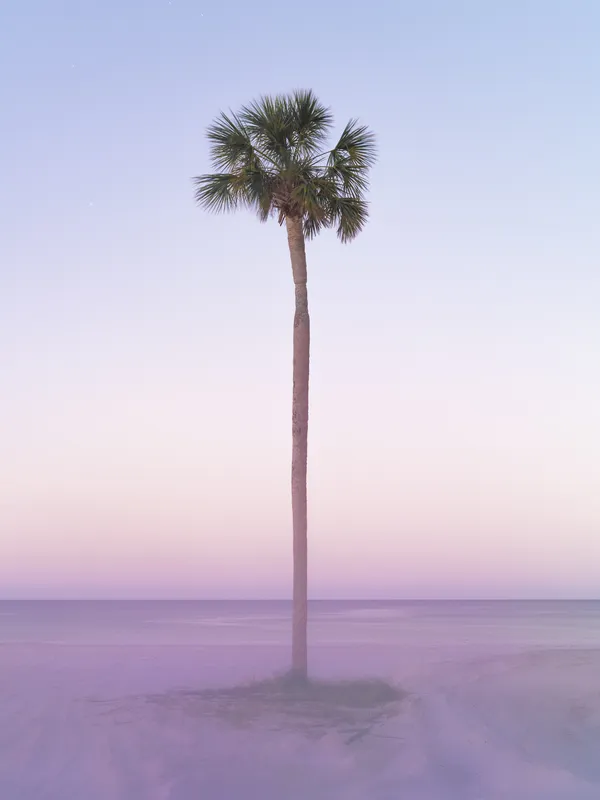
(106, 722)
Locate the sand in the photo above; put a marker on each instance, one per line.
(126, 722)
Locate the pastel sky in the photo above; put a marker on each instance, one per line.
(145, 386)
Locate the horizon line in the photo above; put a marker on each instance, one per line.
(174, 599)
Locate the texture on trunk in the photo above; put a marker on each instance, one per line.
(299, 449)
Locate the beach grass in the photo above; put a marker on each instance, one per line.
(365, 693)
(315, 707)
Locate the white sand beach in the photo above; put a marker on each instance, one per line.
(494, 710)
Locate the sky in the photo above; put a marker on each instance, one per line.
(145, 388)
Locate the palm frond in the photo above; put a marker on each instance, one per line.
(350, 179)
(259, 187)
(313, 226)
(312, 121)
(219, 192)
(310, 198)
(350, 215)
(356, 145)
(269, 158)
(269, 124)
(231, 146)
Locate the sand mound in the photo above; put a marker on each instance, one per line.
(351, 708)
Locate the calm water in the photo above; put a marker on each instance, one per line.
(435, 623)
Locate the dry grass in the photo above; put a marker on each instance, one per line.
(352, 708)
(362, 693)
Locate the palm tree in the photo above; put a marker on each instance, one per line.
(271, 157)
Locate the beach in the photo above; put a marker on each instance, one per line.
(97, 701)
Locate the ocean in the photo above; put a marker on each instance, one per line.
(502, 700)
(252, 622)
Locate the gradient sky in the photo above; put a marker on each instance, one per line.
(145, 386)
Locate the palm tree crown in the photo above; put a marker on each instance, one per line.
(271, 157)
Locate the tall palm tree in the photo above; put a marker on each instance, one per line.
(271, 157)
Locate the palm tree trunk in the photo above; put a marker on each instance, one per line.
(299, 449)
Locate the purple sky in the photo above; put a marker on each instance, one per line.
(146, 378)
